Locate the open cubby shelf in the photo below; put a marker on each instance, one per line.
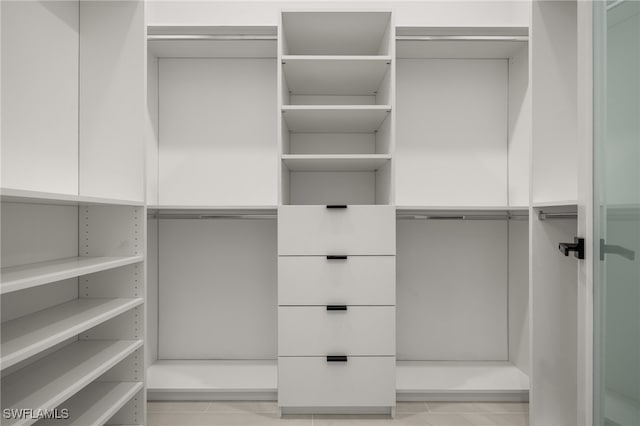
(335, 118)
(33, 333)
(48, 382)
(335, 162)
(20, 277)
(97, 403)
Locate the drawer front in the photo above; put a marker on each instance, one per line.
(314, 382)
(357, 280)
(318, 230)
(317, 331)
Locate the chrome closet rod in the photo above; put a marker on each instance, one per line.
(205, 37)
(405, 216)
(192, 37)
(212, 216)
(557, 215)
(461, 38)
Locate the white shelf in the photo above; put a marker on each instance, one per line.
(335, 75)
(96, 403)
(11, 195)
(224, 377)
(19, 277)
(558, 203)
(334, 33)
(407, 209)
(210, 208)
(171, 377)
(460, 42)
(334, 163)
(48, 382)
(334, 118)
(174, 41)
(28, 335)
(462, 378)
(458, 49)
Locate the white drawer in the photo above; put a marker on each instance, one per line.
(314, 382)
(318, 230)
(357, 280)
(318, 331)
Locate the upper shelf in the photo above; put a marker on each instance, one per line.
(335, 75)
(19, 277)
(336, 33)
(335, 118)
(556, 203)
(10, 195)
(335, 162)
(212, 42)
(460, 42)
(462, 212)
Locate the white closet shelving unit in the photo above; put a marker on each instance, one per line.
(433, 146)
(556, 155)
(73, 230)
(73, 306)
(337, 324)
(452, 129)
(336, 101)
(462, 193)
(212, 231)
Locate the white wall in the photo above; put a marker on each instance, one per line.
(40, 96)
(112, 99)
(153, 129)
(452, 291)
(217, 289)
(452, 117)
(152, 292)
(519, 335)
(519, 128)
(554, 101)
(408, 13)
(217, 132)
(554, 315)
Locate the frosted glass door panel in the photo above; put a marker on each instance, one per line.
(617, 213)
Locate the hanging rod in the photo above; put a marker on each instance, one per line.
(410, 216)
(206, 37)
(461, 38)
(256, 216)
(557, 215)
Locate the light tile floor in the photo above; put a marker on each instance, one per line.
(234, 413)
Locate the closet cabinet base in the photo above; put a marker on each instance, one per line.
(212, 380)
(382, 411)
(490, 381)
(315, 384)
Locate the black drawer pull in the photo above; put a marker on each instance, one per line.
(334, 257)
(336, 307)
(336, 206)
(336, 358)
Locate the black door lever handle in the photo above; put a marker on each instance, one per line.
(577, 247)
